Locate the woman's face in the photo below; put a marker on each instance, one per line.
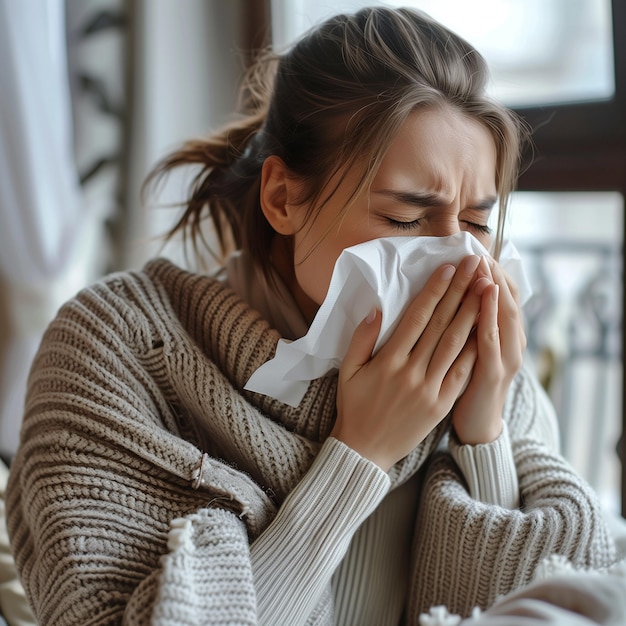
(438, 177)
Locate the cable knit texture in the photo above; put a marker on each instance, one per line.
(144, 472)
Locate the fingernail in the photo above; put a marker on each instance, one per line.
(448, 272)
(485, 266)
(470, 264)
(495, 292)
(371, 316)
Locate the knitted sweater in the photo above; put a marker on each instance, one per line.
(145, 477)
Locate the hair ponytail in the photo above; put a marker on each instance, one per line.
(225, 189)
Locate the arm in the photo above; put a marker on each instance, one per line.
(295, 558)
(489, 469)
(108, 519)
(209, 568)
(485, 551)
(101, 472)
(13, 604)
(486, 460)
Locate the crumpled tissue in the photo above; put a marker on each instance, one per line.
(386, 273)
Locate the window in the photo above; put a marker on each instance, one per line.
(574, 321)
(539, 51)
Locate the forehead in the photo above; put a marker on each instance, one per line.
(441, 149)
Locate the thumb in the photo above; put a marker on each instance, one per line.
(362, 343)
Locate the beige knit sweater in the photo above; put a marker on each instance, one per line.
(144, 472)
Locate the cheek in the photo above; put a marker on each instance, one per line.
(314, 272)
(316, 279)
(485, 239)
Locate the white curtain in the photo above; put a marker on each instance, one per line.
(185, 62)
(40, 211)
(188, 63)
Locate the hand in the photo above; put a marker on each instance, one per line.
(500, 343)
(387, 404)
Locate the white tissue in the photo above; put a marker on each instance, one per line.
(384, 273)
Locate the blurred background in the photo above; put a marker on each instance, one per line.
(94, 92)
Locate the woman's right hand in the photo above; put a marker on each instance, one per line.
(388, 403)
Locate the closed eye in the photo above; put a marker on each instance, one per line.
(483, 229)
(401, 225)
(427, 201)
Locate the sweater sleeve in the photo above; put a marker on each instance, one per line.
(467, 553)
(294, 559)
(489, 469)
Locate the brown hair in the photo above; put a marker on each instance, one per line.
(332, 101)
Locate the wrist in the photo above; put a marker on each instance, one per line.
(474, 436)
(364, 450)
(477, 427)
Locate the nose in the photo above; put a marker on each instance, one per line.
(442, 227)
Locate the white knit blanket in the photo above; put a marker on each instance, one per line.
(561, 594)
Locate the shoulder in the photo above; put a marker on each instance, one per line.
(130, 301)
(119, 305)
(174, 310)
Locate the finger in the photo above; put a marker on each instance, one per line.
(460, 372)
(508, 280)
(419, 312)
(446, 309)
(510, 315)
(513, 288)
(508, 288)
(487, 331)
(484, 269)
(454, 337)
(509, 303)
(362, 344)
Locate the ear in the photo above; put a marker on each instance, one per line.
(276, 190)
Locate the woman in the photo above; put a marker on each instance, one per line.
(150, 487)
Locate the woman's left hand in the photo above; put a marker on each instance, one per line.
(500, 343)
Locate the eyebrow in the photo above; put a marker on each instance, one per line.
(426, 200)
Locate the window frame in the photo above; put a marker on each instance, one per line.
(581, 146)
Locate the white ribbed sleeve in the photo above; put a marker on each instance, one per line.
(371, 584)
(489, 470)
(294, 559)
